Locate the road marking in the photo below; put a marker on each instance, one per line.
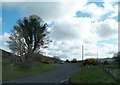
(64, 80)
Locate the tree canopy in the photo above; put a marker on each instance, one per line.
(116, 57)
(29, 35)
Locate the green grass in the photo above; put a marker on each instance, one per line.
(0, 68)
(111, 66)
(92, 74)
(0, 59)
(14, 72)
(115, 70)
(0, 71)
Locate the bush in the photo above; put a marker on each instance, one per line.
(74, 60)
(45, 62)
(105, 62)
(67, 61)
(90, 62)
(116, 57)
(24, 65)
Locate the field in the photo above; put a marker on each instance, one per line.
(92, 74)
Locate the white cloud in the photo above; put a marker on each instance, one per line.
(5, 48)
(13, 0)
(3, 43)
(50, 10)
(56, 0)
(37, 0)
(57, 10)
(106, 29)
(96, 11)
(72, 29)
(108, 49)
(4, 37)
(0, 24)
(65, 49)
(71, 34)
(69, 49)
(110, 7)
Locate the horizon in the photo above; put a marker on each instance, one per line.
(56, 57)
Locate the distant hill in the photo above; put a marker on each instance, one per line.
(5, 54)
(37, 57)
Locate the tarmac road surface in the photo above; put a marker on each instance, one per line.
(57, 75)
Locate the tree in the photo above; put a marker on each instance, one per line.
(74, 60)
(105, 62)
(116, 58)
(56, 57)
(67, 61)
(29, 36)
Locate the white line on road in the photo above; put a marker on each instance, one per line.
(64, 80)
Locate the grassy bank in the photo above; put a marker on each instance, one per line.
(114, 70)
(92, 74)
(15, 72)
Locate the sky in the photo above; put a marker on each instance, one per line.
(72, 24)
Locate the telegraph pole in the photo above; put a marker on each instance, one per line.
(97, 57)
(82, 52)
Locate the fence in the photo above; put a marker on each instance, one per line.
(114, 72)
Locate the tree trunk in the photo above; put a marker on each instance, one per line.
(29, 54)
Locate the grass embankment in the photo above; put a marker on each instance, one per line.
(92, 74)
(16, 72)
(0, 69)
(114, 70)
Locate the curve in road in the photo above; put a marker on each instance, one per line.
(57, 75)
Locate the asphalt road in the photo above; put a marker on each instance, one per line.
(57, 75)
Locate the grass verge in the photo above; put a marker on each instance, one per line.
(14, 72)
(92, 74)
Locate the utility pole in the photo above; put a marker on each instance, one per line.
(82, 52)
(97, 57)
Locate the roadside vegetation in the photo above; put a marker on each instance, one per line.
(0, 62)
(12, 68)
(14, 72)
(92, 74)
(94, 71)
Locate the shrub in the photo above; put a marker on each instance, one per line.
(116, 58)
(24, 65)
(67, 61)
(45, 62)
(74, 60)
(105, 62)
(90, 62)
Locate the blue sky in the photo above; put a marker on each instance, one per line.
(93, 24)
(80, 14)
(9, 18)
